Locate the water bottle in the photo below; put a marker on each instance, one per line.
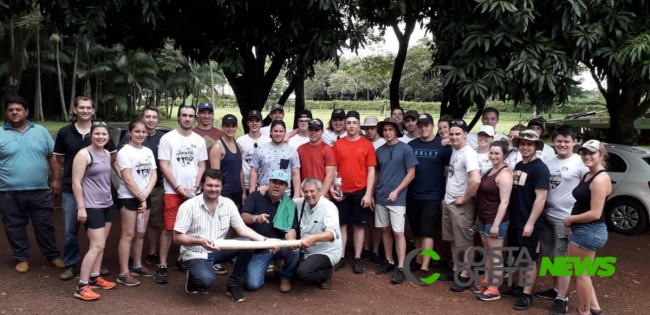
(140, 222)
(338, 182)
(473, 230)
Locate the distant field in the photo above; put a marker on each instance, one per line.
(506, 120)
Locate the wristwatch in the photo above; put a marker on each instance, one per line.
(255, 218)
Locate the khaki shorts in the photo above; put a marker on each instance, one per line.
(393, 216)
(456, 222)
(157, 206)
(554, 238)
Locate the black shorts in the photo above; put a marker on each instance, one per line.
(235, 197)
(530, 243)
(350, 210)
(98, 217)
(422, 216)
(133, 203)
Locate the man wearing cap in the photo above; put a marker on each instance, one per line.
(458, 212)
(395, 171)
(336, 128)
(491, 118)
(530, 188)
(316, 157)
(427, 190)
(226, 156)
(273, 215)
(410, 126)
(205, 129)
(250, 142)
(537, 125)
(276, 113)
(273, 156)
(369, 127)
(302, 136)
(485, 137)
(356, 161)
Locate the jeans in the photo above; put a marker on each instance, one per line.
(257, 267)
(70, 231)
(315, 268)
(201, 272)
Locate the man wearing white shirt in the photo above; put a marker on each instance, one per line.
(250, 142)
(410, 126)
(276, 113)
(302, 137)
(537, 125)
(491, 118)
(336, 128)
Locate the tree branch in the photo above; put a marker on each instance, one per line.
(592, 70)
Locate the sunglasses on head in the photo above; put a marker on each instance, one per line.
(99, 123)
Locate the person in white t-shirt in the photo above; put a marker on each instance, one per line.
(250, 142)
(537, 125)
(336, 129)
(182, 154)
(410, 126)
(490, 117)
(514, 156)
(567, 170)
(485, 137)
(276, 112)
(458, 212)
(138, 168)
(369, 127)
(302, 135)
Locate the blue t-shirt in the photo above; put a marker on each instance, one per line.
(527, 177)
(429, 181)
(23, 157)
(392, 164)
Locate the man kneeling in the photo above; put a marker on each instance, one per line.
(205, 218)
(320, 235)
(273, 215)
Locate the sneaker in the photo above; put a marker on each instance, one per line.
(377, 260)
(69, 273)
(447, 275)
(270, 268)
(515, 291)
(524, 301)
(398, 276)
(58, 263)
(460, 288)
(414, 265)
(103, 271)
(191, 289)
(326, 283)
(596, 312)
(358, 266)
(235, 294)
(86, 293)
(504, 275)
(560, 307)
(365, 254)
(219, 269)
(549, 294)
(340, 265)
(161, 276)
(153, 259)
(385, 268)
(142, 271)
(22, 267)
(180, 266)
(478, 289)
(101, 283)
(128, 280)
(285, 286)
(490, 294)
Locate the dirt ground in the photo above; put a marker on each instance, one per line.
(41, 292)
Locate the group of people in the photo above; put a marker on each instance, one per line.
(195, 186)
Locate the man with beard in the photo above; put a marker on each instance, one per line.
(250, 142)
(205, 128)
(182, 155)
(316, 157)
(272, 156)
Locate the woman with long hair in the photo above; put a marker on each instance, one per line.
(492, 200)
(91, 186)
(443, 126)
(588, 229)
(138, 168)
(336, 129)
(484, 140)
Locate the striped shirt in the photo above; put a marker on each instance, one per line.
(194, 220)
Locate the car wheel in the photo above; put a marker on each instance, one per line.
(626, 216)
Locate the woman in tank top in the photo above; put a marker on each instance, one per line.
(91, 186)
(588, 229)
(137, 165)
(492, 200)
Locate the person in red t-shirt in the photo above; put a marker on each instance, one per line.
(316, 157)
(356, 161)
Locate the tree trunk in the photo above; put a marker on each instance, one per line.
(287, 92)
(64, 111)
(400, 58)
(18, 38)
(38, 105)
(74, 81)
(300, 96)
(211, 83)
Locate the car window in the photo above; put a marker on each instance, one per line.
(616, 164)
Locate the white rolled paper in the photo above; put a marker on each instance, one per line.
(238, 244)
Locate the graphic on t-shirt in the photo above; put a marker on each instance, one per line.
(143, 169)
(185, 155)
(426, 153)
(556, 178)
(519, 177)
(451, 166)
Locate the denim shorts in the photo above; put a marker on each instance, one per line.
(484, 229)
(590, 236)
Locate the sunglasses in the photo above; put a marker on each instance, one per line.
(99, 123)
(528, 136)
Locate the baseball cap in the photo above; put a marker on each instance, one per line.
(203, 106)
(487, 129)
(370, 121)
(458, 123)
(280, 175)
(254, 114)
(536, 121)
(276, 107)
(352, 114)
(591, 145)
(411, 113)
(305, 113)
(425, 118)
(229, 119)
(316, 123)
(278, 122)
(338, 113)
